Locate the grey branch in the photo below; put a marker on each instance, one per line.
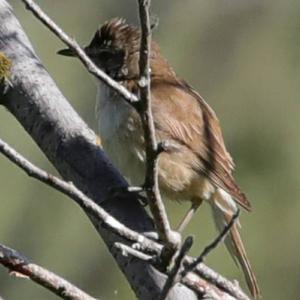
(125, 250)
(151, 179)
(35, 101)
(21, 266)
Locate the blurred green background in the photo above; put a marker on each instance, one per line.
(243, 57)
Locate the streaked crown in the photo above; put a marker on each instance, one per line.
(115, 48)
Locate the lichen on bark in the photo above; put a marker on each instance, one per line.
(5, 67)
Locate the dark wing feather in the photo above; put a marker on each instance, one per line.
(193, 123)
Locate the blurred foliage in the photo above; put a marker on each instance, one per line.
(243, 56)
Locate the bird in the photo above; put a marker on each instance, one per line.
(200, 167)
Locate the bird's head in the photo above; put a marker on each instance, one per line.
(114, 48)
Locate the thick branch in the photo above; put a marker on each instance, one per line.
(16, 262)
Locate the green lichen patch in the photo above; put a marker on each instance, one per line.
(5, 67)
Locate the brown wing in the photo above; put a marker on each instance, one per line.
(193, 123)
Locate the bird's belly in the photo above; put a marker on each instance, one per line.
(121, 135)
(177, 180)
(122, 139)
(126, 157)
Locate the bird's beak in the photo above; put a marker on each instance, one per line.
(67, 52)
(91, 52)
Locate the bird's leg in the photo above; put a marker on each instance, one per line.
(188, 216)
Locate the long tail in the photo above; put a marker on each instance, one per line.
(223, 208)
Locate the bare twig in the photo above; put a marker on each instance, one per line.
(205, 290)
(19, 264)
(192, 265)
(134, 252)
(212, 245)
(74, 193)
(215, 279)
(151, 179)
(72, 44)
(173, 275)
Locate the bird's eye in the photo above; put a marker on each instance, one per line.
(106, 43)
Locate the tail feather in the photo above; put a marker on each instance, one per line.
(223, 208)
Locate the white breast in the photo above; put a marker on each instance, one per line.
(120, 138)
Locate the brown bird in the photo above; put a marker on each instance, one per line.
(200, 168)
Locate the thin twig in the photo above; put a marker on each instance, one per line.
(125, 250)
(173, 275)
(216, 279)
(151, 179)
(203, 289)
(74, 193)
(72, 44)
(19, 264)
(212, 245)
